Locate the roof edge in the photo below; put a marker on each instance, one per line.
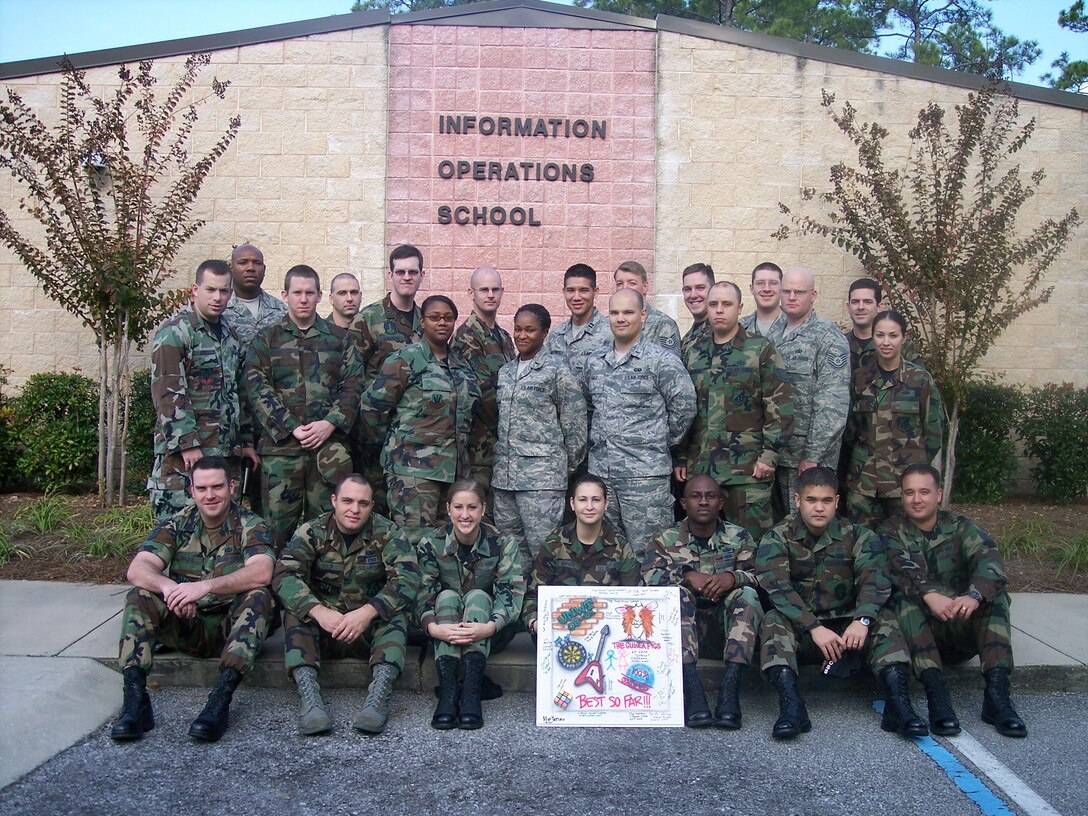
(194, 45)
(528, 13)
(869, 62)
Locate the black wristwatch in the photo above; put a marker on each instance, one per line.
(865, 620)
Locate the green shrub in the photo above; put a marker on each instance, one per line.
(45, 515)
(1074, 555)
(1024, 537)
(56, 427)
(1053, 422)
(985, 450)
(141, 426)
(9, 453)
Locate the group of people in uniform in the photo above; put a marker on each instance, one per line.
(407, 475)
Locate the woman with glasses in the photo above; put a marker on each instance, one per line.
(423, 403)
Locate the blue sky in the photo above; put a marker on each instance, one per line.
(46, 28)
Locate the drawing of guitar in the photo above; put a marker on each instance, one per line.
(593, 673)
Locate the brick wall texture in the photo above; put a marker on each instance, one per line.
(338, 160)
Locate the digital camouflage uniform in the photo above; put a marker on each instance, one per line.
(953, 559)
(728, 628)
(486, 350)
(576, 343)
(294, 377)
(541, 440)
(196, 379)
(317, 568)
(565, 561)
(697, 331)
(478, 585)
(816, 365)
(749, 323)
(642, 407)
(831, 581)
(425, 410)
(232, 626)
(661, 330)
(270, 309)
(744, 412)
(379, 329)
(895, 420)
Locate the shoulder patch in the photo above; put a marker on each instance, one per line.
(838, 359)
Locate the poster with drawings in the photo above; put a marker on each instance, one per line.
(609, 656)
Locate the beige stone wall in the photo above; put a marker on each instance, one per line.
(304, 180)
(740, 130)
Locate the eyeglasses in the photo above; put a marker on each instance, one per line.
(442, 318)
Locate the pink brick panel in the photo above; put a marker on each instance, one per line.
(539, 73)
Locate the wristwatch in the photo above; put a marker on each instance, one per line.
(974, 593)
(865, 620)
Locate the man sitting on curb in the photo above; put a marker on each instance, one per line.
(345, 579)
(951, 601)
(712, 561)
(200, 585)
(829, 584)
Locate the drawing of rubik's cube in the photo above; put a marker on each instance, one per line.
(563, 699)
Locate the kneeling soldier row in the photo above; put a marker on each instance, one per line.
(925, 587)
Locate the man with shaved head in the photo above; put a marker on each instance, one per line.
(816, 361)
(345, 297)
(251, 309)
(744, 413)
(486, 346)
(643, 403)
(713, 563)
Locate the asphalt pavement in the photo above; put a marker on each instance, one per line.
(59, 689)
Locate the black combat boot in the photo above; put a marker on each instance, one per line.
(727, 711)
(213, 720)
(136, 715)
(792, 715)
(899, 714)
(942, 717)
(696, 707)
(471, 713)
(997, 708)
(445, 713)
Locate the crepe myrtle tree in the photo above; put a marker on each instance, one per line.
(112, 182)
(939, 230)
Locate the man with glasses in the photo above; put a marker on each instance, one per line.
(766, 289)
(486, 346)
(381, 328)
(816, 364)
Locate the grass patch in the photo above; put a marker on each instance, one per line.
(1026, 537)
(1074, 554)
(9, 547)
(45, 515)
(132, 522)
(117, 531)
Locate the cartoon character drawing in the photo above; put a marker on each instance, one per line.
(638, 620)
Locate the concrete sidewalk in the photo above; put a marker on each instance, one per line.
(59, 662)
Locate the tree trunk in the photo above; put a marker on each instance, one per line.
(126, 401)
(103, 373)
(950, 453)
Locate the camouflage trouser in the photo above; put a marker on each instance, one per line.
(987, 633)
(529, 516)
(292, 491)
(724, 630)
(450, 607)
(366, 459)
(234, 632)
(782, 644)
(749, 505)
(305, 643)
(785, 486)
(415, 503)
(641, 508)
(481, 474)
(870, 511)
(168, 485)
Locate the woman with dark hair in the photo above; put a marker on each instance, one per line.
(423, 403)
(589, 550)
(896, 419)
(471, 587)
(541, 436)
